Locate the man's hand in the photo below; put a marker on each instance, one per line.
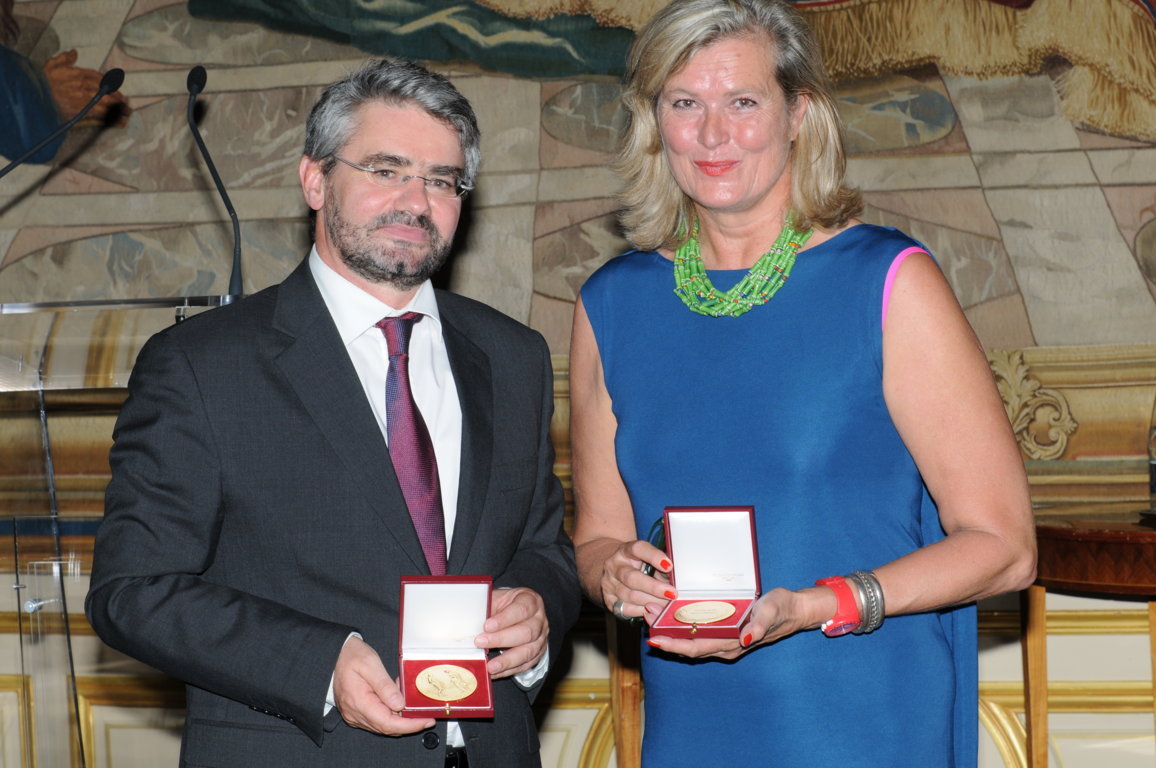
(73, 86)
(366, 696)
(518, 625)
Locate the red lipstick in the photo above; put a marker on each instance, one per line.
(715, 168)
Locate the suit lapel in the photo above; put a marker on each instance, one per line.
(471, 367)
(310, 353)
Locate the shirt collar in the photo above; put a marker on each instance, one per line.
(354, 311)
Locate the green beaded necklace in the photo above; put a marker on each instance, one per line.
(763, 281)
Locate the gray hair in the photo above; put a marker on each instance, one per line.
(655, 208)
(392, 81)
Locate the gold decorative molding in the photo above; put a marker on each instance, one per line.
(1098, 696)
(1000, 707)
(154, 691)
(560, 433)
(1002, 703)
(590, 693)
(1132, 622)
(1099, 365)
(1040, 417)
(1006, 731)
(50, 624)
(121, 691)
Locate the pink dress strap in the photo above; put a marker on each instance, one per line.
(891, 272)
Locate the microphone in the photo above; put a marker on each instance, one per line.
(111, 82)
(196, 80)
(195, 84)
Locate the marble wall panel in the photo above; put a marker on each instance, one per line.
(175, 261)
(552, 318)
(1011, 114)
(507, 111)
(1077, 275)
(1132, 207)
(1002, 323)
(494, 263)
(962, 209)
(564, 259)
(6, 238)
(1146, 252)
(577, 184)
(903, 172)
(551, 217)
(1034, 169)
(1124, 166)
(495, 189)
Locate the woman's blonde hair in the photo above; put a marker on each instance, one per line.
(655, 209)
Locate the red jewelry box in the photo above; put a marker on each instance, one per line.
(715, 571)
(443, 675)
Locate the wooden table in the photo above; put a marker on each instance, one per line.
(1093, 549)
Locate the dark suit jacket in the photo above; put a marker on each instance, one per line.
(254, 520)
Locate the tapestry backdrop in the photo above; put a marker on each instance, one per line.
(1017, 139)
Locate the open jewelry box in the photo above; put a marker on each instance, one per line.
(716, 571)
(443, 675)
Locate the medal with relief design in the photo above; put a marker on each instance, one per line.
(704, 612)
(446, 682)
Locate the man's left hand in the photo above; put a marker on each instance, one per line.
(518, 626)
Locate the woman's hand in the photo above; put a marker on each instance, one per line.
(626, 590)
(610, 556)
(777, 614)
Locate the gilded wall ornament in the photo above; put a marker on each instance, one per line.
(1040, 417)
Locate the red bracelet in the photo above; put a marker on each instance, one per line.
(846, 618)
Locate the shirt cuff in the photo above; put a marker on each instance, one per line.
(329, 702)
(531, 677)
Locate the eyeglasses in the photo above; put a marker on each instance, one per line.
(449, 185)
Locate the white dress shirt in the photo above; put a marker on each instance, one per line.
(355, 313)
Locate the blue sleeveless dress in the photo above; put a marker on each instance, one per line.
(782, 408)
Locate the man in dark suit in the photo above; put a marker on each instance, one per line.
(262, 508)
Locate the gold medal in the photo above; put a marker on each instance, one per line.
(446, 682)
(704, 612)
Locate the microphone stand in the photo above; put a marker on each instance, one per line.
(195, 84)
(112, 81)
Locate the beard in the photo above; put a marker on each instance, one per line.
(400, 264)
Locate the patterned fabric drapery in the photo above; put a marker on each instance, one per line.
(1111, 44)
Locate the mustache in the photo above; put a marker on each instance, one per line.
(407, 219)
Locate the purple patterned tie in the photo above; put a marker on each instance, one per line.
(410, 447)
